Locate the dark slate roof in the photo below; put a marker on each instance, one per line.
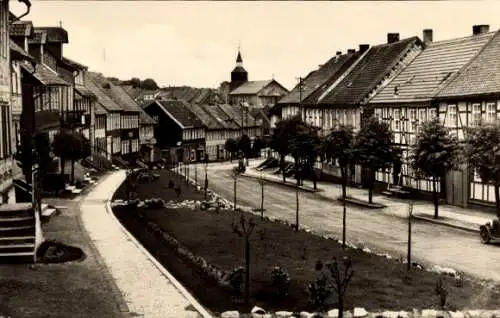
(99, 109)
(38, 37)
(431, 69)
(205, 117)
(237, 113)
(250, 87)
(54, 34)
(368, 73)
(480, 77)
(222, 118)
(119, 96)
(47, 119)
(181, 112)
(83, 91)
(102, 97)
(21, 29)
(45, 75)
(320, 79)
(73, 64)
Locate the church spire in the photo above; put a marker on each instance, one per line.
(239, 60)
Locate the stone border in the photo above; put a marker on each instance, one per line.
(199, 308)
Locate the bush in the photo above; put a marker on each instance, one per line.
(236, 280)
(319, 291)
(280, 281)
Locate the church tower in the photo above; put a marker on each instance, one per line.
(239, 75)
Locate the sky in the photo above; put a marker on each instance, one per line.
(196, 43)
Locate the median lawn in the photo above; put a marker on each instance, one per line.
(377, 283)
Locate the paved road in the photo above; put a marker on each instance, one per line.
(432, 244)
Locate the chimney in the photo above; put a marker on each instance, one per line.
(392, 37)
(427, 36)
(480, 29)
(349, 51)
(363, 47)
(339, 53)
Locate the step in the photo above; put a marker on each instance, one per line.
(26, 231)
(17, 240)
(44, 206)
(16, 218)
(19, 245)
(17, 254)
(16, 228)
(48, 212)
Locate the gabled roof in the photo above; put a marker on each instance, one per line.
(222, 118)
(21, 29)
(43, 74)
(438, 63)
(367, 73)
(118, 95)
(205, 117)
(250, 87)
(179, 112)
(318, 80)
(102, 97)
(480, 77)
(238, 113)
(73, 64)
(17, 53)
(83, 91)
(54, 34)
(99, 109)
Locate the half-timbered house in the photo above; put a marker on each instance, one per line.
(407, 100)
(473, 96)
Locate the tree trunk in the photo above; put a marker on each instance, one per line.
(72, 171)
(313, 175)
(497, 199)
(234, 193)
(262, 200)
(435, 197)
(341, 305)
(247, 269)
(371, 183)
(63, 163)
(343, 173)
(282, 167)
(297, 204)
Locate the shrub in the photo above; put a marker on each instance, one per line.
(171, 184)
(236, 280)
(319, 291)
(280, 281)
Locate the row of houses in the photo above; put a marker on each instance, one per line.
(405, 82)
(200, 129)
(44, 92)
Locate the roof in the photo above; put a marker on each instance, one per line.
(260, 113)
(105, 101)
(46, 119)
(481, 76)
(17, 53)
(116, 93)
(318, 81)
(376, 63)
(83, 91)
(21, 29)
(145, 119)
(204, 116)
(38, 37)
(100, 110)
(222, 118)
(73, 64)
(180, 112)
(45, 75)
(250, 87)
(431, 69)
(54, 34)
(237, 113)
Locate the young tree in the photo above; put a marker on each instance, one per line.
(245, 146)
(338, 147)
(281, 139)
(258, 144)
(231, 146)
(81, 150)
(63, 147)
(245, 229)
(374, 149)
(483, 154)
(435, 153)
(312, 151)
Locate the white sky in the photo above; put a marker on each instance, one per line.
(195, 43)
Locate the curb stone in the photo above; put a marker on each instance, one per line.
(303, 188)
(438, 222)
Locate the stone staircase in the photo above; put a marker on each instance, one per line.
(20, 231)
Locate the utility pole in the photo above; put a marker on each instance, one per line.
(410, 214)
(300, 97)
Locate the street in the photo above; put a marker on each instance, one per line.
(432, 244)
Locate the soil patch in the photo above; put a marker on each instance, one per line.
(378, 283)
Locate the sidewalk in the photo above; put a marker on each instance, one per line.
(148, 289)
(452, 216)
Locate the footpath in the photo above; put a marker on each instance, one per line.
(464, 219)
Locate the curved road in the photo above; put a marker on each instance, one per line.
(432, 244)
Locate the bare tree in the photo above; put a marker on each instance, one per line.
(245, 229)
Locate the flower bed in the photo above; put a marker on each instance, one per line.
(205, 237)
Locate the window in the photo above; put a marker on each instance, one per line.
(413, 119)
(4, 36)
(422, 115)
(432, 113)
(397, 120)
(476, 114)
(452, 115)
(491, 112)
